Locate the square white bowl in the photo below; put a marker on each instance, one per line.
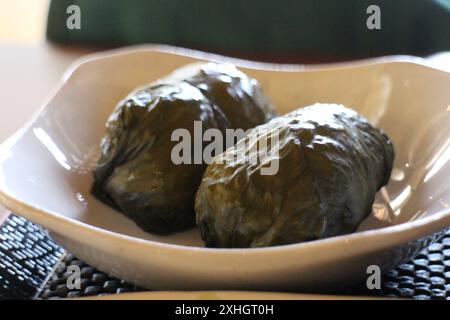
(45, 173)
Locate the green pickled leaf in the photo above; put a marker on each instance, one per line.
(135, 173)
(331, 162)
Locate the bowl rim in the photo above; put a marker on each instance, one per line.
(379, 238)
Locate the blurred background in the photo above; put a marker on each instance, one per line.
(282, 30)
(23, 21)
(297, 30)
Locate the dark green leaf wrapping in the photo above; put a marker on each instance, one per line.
(135, 173)
(331, 164)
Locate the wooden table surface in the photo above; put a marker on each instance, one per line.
(30, 72)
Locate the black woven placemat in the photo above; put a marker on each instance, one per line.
(27, 258)
(93, 282)
(33, 266)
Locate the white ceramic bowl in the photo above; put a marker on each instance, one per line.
(45, 173)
